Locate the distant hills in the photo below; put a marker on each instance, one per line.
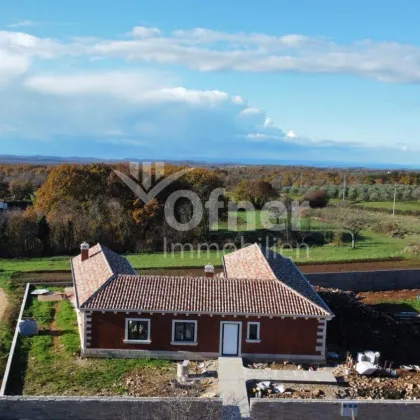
(57, 160)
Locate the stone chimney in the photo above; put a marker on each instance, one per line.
(84, 251)
(209, 270)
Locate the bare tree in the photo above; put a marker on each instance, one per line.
(353, 221)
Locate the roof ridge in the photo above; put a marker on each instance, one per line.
(209, 279)
(289, 287)
(310, 285)
(106, 259)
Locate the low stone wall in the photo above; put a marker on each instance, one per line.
(368, 281)
(331, 410)
(75, 408)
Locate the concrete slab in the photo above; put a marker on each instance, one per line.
(232, 388)
(304, 376)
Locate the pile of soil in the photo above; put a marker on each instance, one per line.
(373, 298)
(359, 327)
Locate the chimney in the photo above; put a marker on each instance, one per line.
(209, 270)
(84, 249)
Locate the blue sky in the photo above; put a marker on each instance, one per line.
(267, 80)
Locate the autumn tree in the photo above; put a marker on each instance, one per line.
(20, 190)
(256, 191)
(4, 190)
(21, 233)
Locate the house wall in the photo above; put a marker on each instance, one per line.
(278, 336)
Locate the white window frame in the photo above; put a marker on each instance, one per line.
(184, 343)
(258, 324)
(127, 340)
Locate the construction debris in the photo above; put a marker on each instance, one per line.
(40, 292)
(357, 326)
(365, 368)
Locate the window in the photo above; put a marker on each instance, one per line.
(184, 332)
(253, 333)
(137, 330)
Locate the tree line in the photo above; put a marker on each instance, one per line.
(90, 203)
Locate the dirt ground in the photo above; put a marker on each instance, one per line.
(358, 266)
(3, 303)
(371, 298)
(305, 268)
(145, 382)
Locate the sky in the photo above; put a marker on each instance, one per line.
(322, 81)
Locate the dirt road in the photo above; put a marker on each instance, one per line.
(3, 303)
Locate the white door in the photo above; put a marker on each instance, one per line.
(230, 339)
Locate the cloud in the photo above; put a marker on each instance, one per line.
(12, 66)
(126, 110)
(143, 32)
(128, 86)
(251, 111)
(23, 24)
(207, 50)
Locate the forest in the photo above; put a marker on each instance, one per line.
(68, 204)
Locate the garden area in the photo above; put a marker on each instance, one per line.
(49, 363)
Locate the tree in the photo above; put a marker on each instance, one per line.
(416, 194)
(317, 199)
(4, 190)
(353, 221)
(256, 191)
(20, 190)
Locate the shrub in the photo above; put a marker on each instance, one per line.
(385, 226)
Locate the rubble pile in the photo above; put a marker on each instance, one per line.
(377, 387)
(274, 366)
(358, 326)
(269, 389)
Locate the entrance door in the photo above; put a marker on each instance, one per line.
(230, 338)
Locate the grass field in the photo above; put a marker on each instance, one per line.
(156, 260)
(401, 305)
(47, 364)
(387, 205)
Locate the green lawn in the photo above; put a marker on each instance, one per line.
(370, 246)
(142, 261)
(243, 221)
(396, 306)
(49, 364)
(387, 205)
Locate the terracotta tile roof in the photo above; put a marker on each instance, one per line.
(91, 274)
(202, 295)
(262, 263)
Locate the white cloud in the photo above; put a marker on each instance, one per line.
(251, 111)
(236, 99)
(200, 49)
(12, 66)
(291, 134)
(124, 85)
(129, 86)
(23, 24)
(144, 32)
